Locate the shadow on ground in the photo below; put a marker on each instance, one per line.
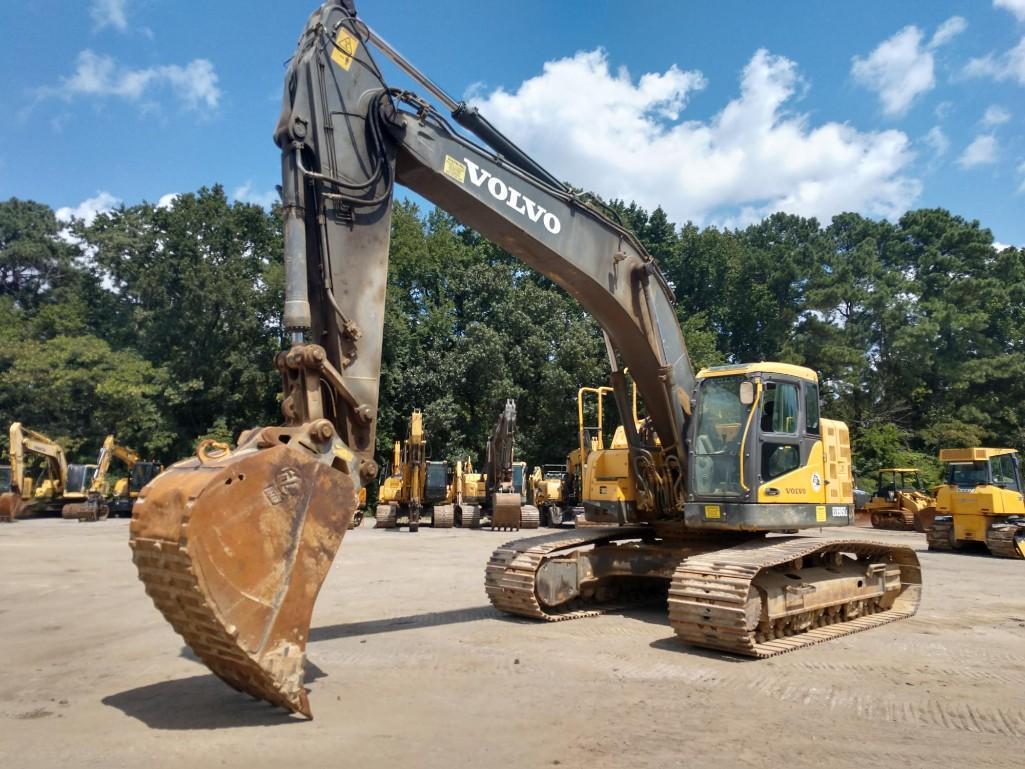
(201, 702)
(409, 622)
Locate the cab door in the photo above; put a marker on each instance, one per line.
(790, 462)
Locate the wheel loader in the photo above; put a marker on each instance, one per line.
(980, 502)
(233, 549)
(413, 483)
(900, 501)
(59, 483)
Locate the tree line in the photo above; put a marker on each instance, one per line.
(160, 324)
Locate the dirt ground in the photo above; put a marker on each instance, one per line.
(410, 666)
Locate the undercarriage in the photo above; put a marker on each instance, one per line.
(755, 596)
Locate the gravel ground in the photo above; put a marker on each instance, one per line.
(410, 666)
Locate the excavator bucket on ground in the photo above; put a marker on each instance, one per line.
(10, 506)
(233, 548)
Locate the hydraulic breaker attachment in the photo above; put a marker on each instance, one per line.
(233, 547)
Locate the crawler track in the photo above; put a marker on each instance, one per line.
(509, 579)
(1002, 538)
(708, 595)
(893, 520)
(710, 591)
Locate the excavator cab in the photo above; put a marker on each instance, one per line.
(80, 477)
(761, 456)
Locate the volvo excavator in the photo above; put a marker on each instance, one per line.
(233, 548)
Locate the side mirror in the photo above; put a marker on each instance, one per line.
(747, 393)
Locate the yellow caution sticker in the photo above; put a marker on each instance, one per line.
(344, 49)
(712, 512)
(455, 169)
(820, 513)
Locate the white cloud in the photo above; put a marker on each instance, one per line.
(245, 194)
(624, 139)
(1009, 65)
(998, 246)
(995, 115)
(981, 152)
(947, 31)
(167, 201)
(195, 84)
(109, 13)
(89, 208)
(1017, 7)
(937, 141)
(901, 68)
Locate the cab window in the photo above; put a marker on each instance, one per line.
(811, 408)
(779, 408)
(779, 459)
(1003, 472)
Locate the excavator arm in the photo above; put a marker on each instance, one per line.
(233, 545)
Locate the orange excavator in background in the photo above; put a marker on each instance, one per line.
(233, 548)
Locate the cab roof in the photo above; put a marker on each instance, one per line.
(764, 367)
(972, 455)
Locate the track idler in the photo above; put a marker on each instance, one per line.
(233, 547)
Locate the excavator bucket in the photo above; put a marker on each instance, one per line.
(233, 550)
(506, 512)
(10, 506)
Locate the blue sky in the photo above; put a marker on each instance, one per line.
(722, 112)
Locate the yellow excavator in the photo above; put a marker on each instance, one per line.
(470, 492)
(546, 494)
(504, 479)
(233, 549)
(413, 483)
(99, 502)
(980, 502)
(900, 501)
(58, 485)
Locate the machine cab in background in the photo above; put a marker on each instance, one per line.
(761, 456)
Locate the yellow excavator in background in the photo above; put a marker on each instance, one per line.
(99, 503)
(504, 478)
(361, 509)
(980, 502)
(59, 484)
(546, 487)
(607, 487)
(900, 501)
(233, 549)
(413, 483)
(470, 491)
